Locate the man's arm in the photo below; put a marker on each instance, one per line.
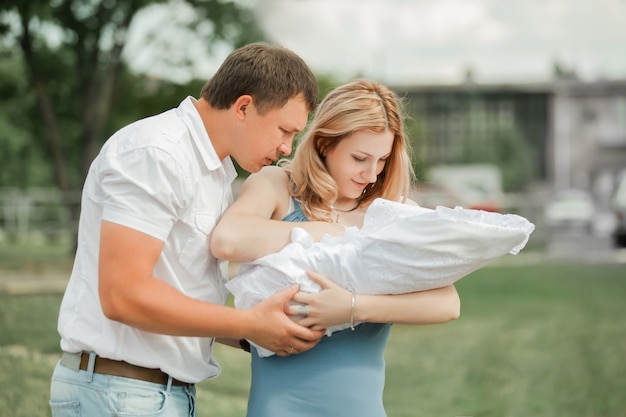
(130, 294)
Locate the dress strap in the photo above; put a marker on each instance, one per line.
(291, 204)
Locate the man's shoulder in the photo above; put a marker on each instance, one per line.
(164, 131)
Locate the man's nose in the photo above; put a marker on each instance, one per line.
(285, 147)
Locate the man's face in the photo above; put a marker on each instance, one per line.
(264, 138)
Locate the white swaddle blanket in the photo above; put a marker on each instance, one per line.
(400, 249)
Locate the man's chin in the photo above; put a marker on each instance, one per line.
(253, 168)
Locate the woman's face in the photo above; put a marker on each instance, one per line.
(357, 160)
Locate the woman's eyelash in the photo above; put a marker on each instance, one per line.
(363, 159)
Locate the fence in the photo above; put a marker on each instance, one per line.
(36, 213)
(43, 214)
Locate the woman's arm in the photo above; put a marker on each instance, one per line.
(333, 306)
(425, 307)
(252, 226)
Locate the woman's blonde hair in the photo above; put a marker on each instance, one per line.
(354, 107)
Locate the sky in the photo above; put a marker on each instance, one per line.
(426, 41)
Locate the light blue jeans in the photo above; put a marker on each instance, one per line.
(80, 393)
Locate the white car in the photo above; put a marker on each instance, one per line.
(570, 209)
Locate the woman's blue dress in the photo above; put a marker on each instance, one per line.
(344, 375)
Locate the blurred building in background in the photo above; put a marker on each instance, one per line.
(460, 116)
(587, 143)
(575, 132)
(547, 139)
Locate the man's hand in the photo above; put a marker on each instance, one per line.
(274, 330)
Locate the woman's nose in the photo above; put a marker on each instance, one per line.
(371, 174)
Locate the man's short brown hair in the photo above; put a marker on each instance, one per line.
(270, 74)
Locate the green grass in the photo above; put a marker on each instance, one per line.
(532, 341)
(36, 254)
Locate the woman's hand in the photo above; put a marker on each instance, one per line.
(329, 307)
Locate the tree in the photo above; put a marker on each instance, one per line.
(71, 55)
(21, 163)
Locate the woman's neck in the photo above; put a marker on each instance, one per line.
(348, 213)
(345, 205)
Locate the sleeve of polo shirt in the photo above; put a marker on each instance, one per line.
(144, 189)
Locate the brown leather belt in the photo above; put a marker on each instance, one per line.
(127, 370)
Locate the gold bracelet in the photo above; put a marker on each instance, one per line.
(353, 307)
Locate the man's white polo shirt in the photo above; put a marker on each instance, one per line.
(160, 176)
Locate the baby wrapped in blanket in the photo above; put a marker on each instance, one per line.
(401, 248)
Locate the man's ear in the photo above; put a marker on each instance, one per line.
(242, 106)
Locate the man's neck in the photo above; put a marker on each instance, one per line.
(216, 124)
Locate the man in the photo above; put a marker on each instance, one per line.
(146, 298)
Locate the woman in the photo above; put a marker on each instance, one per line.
(354, 152)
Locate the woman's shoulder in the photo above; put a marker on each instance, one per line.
(271, 173)
(272, 184)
